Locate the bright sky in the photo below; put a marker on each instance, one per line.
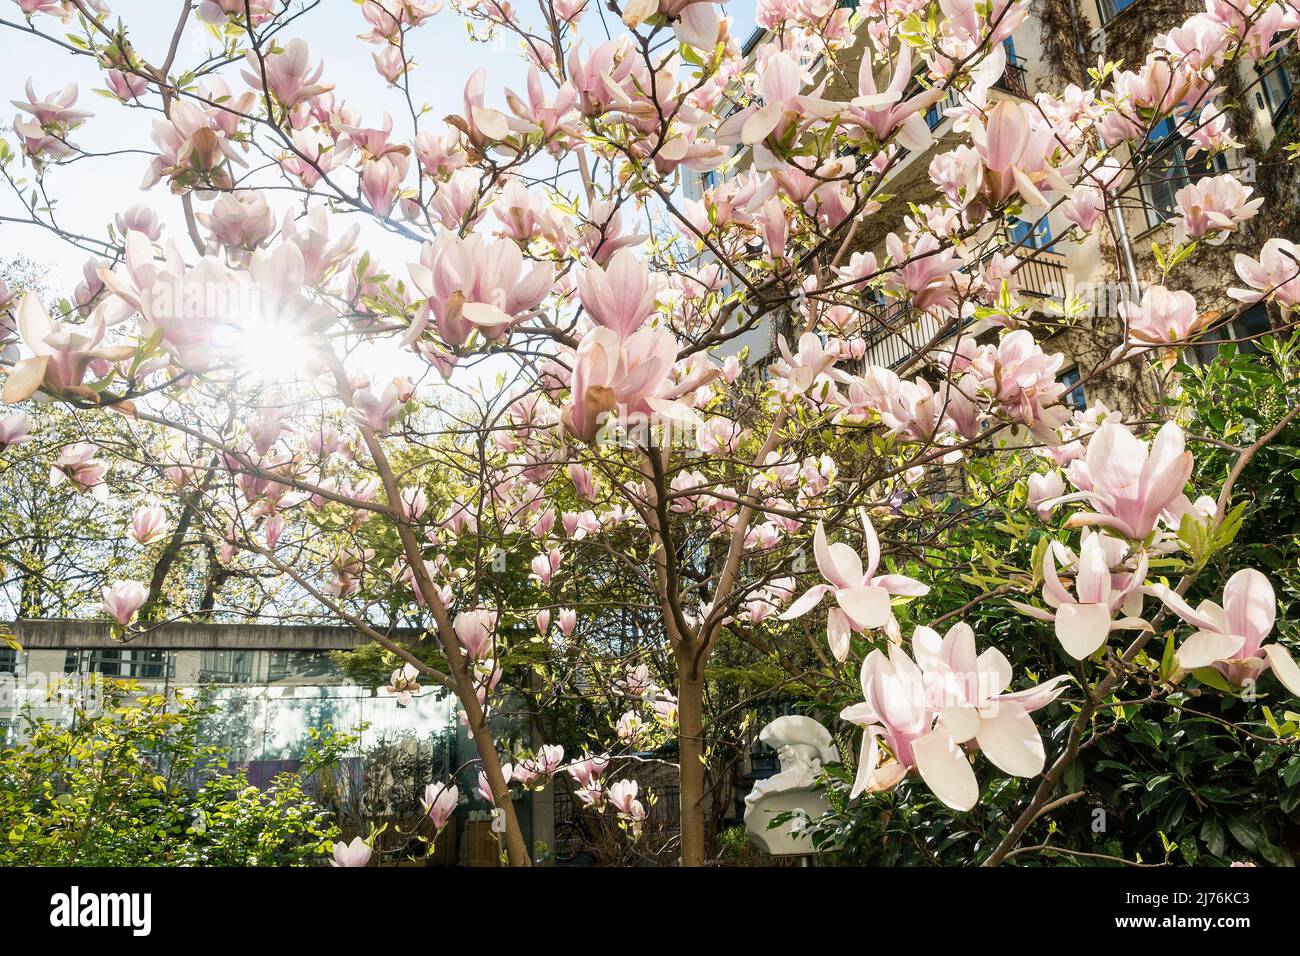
(89, 193)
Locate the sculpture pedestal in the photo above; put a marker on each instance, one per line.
(803, 746)
(783, 840)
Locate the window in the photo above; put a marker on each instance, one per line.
(226, 667)
(289, 665)
(935, 114)
(140, 664)
(8, 660)
(1170, 170)
(1031, 235)
(1242, 330)
(1107, 9)
(709, 180)
(1075, 397)
(1014, 78)
(1274, 87)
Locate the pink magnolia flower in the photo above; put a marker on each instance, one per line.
(356, 853)
(923, 272)
(272, 530)
(123, 598)
(481, 124)
(219, 11)
(543, 622)
(140, 218)
(149, 524)
(240, 221)
(1212, 208)
(551, 116)
(584, 483)
(630, 727)
(476, 632)
(191, 145)
(76, 465)
(1131, 483)
(126, 86)
(780, 84)
(1163, 316)
(721, 436)
(1042, 490)
(321, 255)
(968, 693)
(620, 297)
(1230, 637)
(882, 112)
(549, 759)
(925, 713)
(375, 412)
(61, 354)
(862, 594)
(439, 156)
(14, 430)
(631, 375)
(1023, 379)
(1083, 623)
(545, 566)
(1084, 207)
(54, 111)
(439, 803)
(1208, 131)
(1015, 152)
(473, 284)
(896, 710)
(56, 8)
(289, 74)
(381, 181)
(568, 621)
(1274, 275)
(404, 683)
(588, 769)
(804, 367)
(392, 64)
(622, 795)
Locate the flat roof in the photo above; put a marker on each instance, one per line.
(97, 635)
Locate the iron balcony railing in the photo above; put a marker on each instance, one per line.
(901, 333)
(1041, 274)
(1014, 80)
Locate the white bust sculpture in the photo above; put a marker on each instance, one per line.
(803, 746)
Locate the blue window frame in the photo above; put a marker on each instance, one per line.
(1169, 170)
(1107, 9)
(1274, 87)
(1074, 398)
(1030, 235)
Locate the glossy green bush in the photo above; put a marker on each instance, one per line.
(132, 784)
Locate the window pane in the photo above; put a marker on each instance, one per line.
(1075, 397)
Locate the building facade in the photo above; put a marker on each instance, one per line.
(1054, 47)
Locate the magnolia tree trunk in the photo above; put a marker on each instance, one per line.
(690, 737)
(516, 849)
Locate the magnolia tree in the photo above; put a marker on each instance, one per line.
(571, 391)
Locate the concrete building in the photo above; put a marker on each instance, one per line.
(269, 686)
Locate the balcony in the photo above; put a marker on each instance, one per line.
(1041, 274)
(900, 334)
(1014, 80)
